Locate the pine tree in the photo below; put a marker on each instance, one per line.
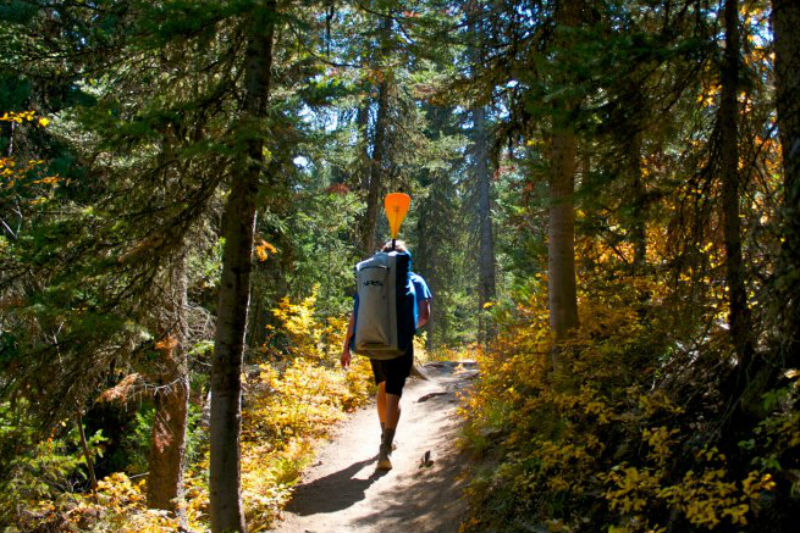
(785, 18)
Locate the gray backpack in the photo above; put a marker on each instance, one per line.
(385, 306)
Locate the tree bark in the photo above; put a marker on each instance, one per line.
(785, 24)
(377, 162)
(561, 235)
(739, 313)
(362, 122)
(433, 318)
(256, 323)
(638, 224)
(168, 443)
(87, 455)
(234, 292)
(561, 229)
(368, 236)
(486, 259)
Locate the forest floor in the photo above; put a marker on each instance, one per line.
(342, 491)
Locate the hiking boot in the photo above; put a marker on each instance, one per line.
(383, 435)
(383, 459)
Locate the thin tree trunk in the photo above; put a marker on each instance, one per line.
(486, 260)
(265, 284)
(634, 116)
(86, 453)
(433, 283)
(234, 292)
(430, 342)
(10, 149)
(785, 24)
(638, 227)
(739, 316)
(257, 316)
(168, 443)
(362, 122)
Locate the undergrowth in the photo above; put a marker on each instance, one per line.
(291, 400)
(618, 430)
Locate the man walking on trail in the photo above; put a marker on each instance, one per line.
(390, 375)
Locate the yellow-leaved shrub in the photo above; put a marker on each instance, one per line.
(291, 400)
(594, 436)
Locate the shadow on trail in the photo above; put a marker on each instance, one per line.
(333, 492)
(423, 500)
(421, 494)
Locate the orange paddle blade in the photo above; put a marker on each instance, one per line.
(396, 204)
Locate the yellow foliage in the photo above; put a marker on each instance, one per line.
(632, 487)
(118, 505)
(48, 180)
(292, 403)
(707, 498)
(593, 435)
(19, 117)
(262, 248)
(27, 173)
(308, 335)
(661, 441)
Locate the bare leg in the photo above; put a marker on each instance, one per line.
(381, 401)
(392, 416)
(392, 411)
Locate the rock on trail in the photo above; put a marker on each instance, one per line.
(342, 492)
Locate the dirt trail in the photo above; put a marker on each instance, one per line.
(342, 492)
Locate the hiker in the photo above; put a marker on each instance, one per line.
(390, 375)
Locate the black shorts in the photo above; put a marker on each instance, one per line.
(393, 371)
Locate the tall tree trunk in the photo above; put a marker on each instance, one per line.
(486, 260)
(379, 155)
(634, 116)
(368, 235)
(257, 319)
(561, 234)
(483, 180)
(234, 292)
(561, 228)
(638, 227)
(739, 315)
(362, 122)
(432, 263)
(426, 253)
(168, 442)
(785, 24)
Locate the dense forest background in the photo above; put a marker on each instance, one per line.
(606, 206)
